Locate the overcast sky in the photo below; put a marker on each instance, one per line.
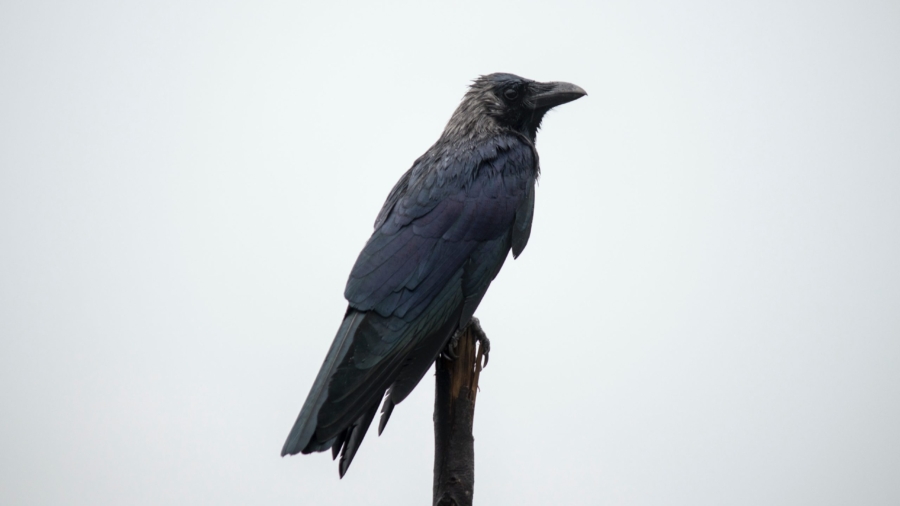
(708, 311)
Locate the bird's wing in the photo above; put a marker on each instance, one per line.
(442, 210)
(440, 239)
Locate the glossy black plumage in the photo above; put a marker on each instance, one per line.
(440, 239)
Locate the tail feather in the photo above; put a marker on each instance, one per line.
(356, 434)
(386, 411)
(370, 354)
(300, 438)
(369, 385)
(338, 444)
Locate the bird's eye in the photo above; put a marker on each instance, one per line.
(511, 93)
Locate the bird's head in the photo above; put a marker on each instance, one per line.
(513, 102)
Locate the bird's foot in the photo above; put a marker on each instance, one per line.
(452, 345)
(450, 352)
(482, 338)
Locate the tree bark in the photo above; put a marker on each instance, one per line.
(456, 386)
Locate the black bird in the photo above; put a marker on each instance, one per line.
(440, 239)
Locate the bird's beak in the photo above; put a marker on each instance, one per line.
(553, 94)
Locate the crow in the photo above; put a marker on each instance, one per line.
(441, 237)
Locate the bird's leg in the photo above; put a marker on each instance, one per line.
(480, 336)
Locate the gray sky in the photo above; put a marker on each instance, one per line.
(708, 311)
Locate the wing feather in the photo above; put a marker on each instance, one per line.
(440, 238)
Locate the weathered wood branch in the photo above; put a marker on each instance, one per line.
(456, 386)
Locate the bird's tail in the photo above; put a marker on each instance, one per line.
(301, 437)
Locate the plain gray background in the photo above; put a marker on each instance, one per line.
(708, 311)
